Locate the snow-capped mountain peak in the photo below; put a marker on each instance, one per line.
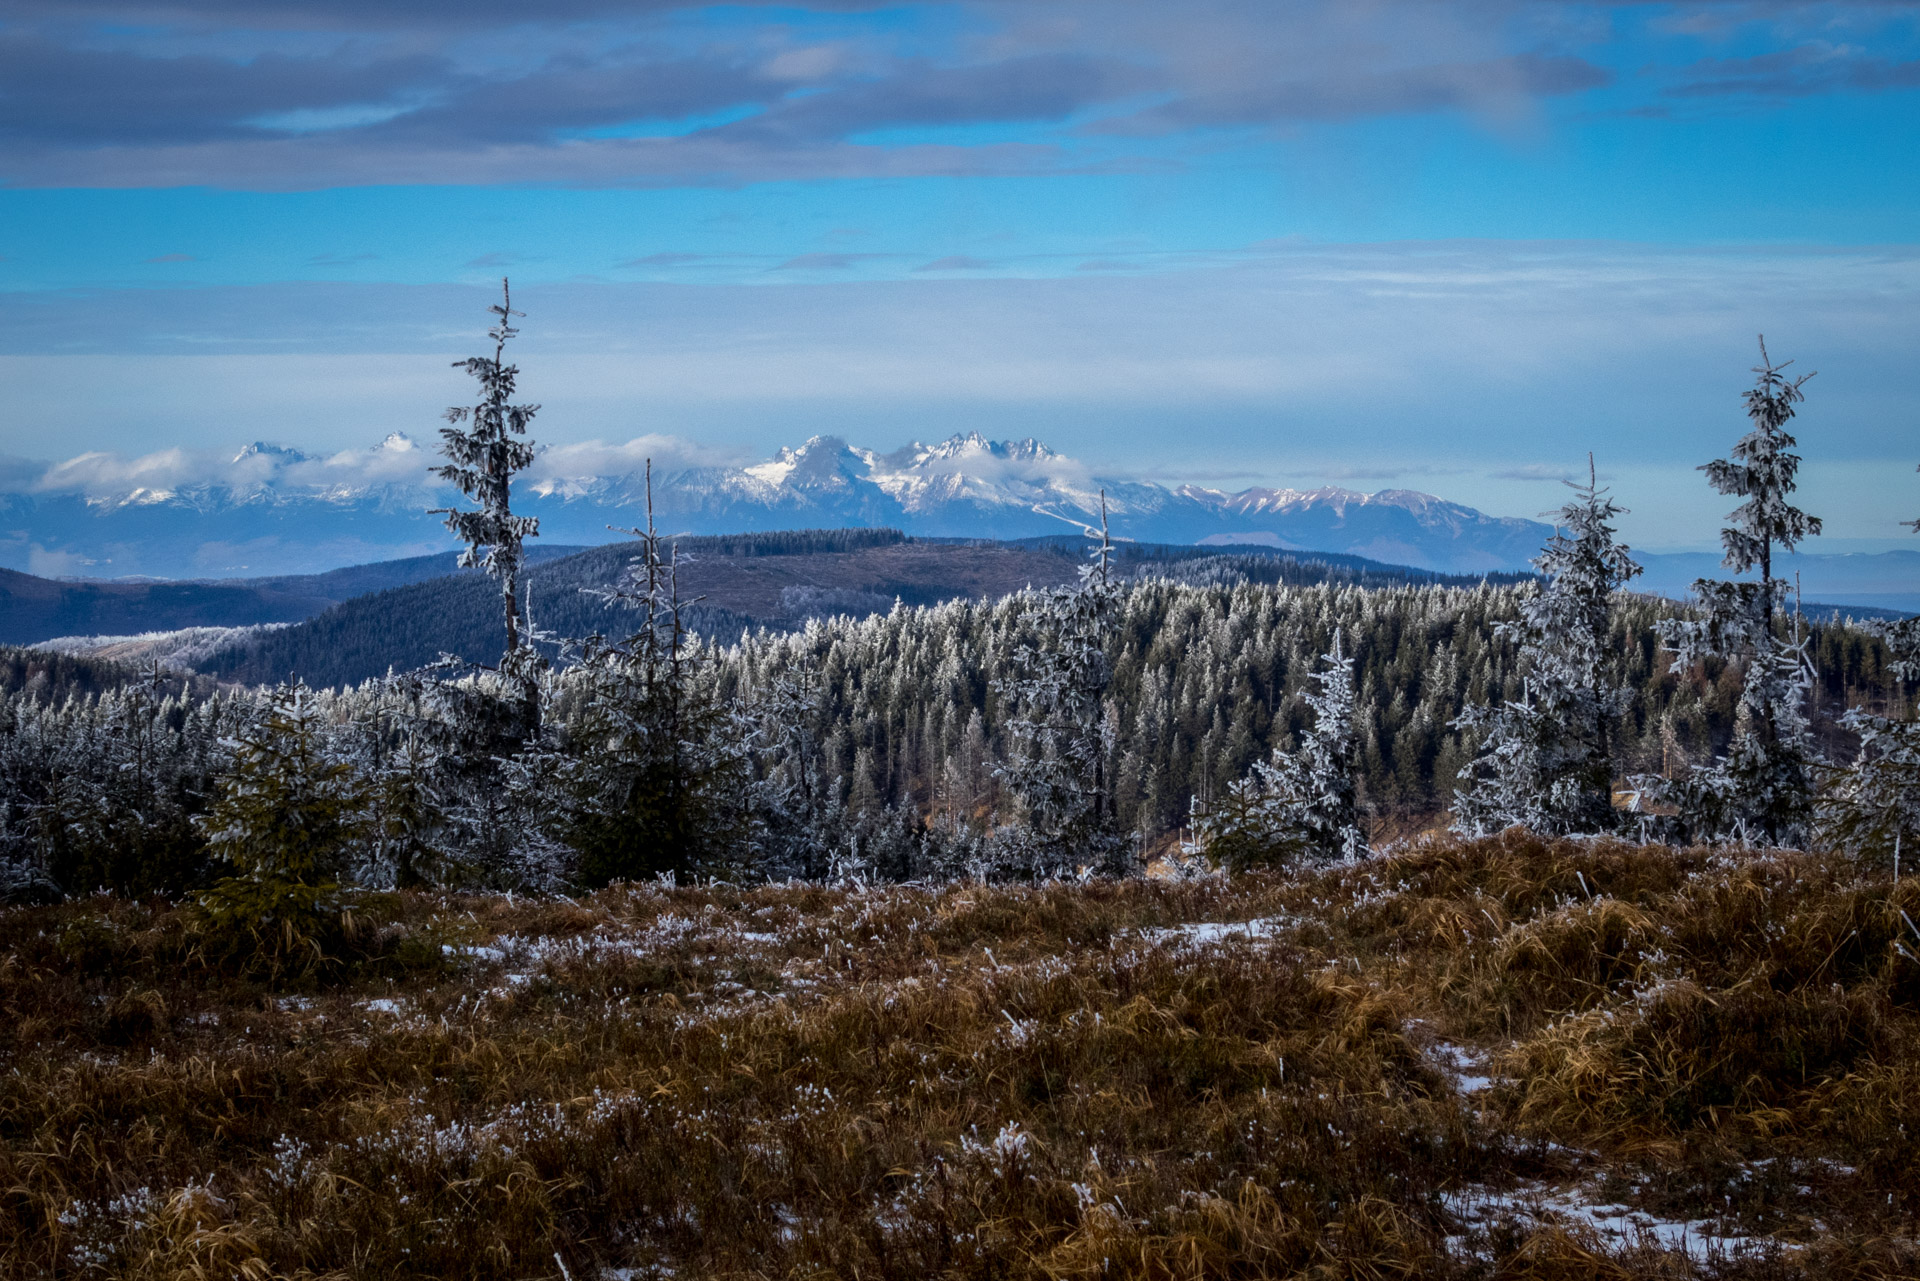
(161, 514)
(272, 453)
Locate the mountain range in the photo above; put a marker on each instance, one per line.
(275, 510)
(270, 510)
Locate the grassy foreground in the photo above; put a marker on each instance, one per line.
(1498, 1058)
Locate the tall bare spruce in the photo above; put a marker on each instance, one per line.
(484, 449)
(1761, 790)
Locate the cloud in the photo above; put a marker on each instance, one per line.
(1345, 93)
(1802, 71)
(1384, 471)
(296, 95)
(64, 96)
(398, 462)
(823, 262)
(664, 260)
(59, 564)
(99, 473)
(955, 262)
(1533, 471)
(381, 14)
(916, 93)
(105, 476)
(558, 467)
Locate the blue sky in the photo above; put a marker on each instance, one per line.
(1446, 246)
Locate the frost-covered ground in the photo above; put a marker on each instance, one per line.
(1468, 1059)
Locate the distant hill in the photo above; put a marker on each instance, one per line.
(1859, 582)
(34, 609)
(776, 580)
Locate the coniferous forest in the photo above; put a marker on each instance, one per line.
(1186, 915)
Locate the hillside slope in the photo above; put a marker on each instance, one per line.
(731, 583)
(34, 609)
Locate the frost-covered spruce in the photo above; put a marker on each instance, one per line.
(1761, 790)
(1546, 760)
(1871, 805)
(650, 772)
(1300, 806)
(482, 457)
(99, 792)
(1059, 731)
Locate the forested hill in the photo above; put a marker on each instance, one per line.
(34, 609)
(776, 580)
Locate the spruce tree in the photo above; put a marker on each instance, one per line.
(1871, 806)
(654, 772)
(1301, 806)
(1546, 760)
(286, 823)
(483, 446)
(1059, 733)
(1761, 790)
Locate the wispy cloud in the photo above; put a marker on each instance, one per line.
(1802, 71)
(955, 262)
(665, 260)
(1533, 471)
(824, 262)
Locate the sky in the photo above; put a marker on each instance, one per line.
(1449, 245)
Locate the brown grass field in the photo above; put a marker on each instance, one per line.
(1498, 1058)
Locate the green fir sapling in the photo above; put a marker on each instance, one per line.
(286, 824)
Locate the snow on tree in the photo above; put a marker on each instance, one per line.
(1761, 790)
(482, 457)
(1546, 759)
(288, 819)
(1059, 731)
(801, 813)
(1301, 806)
(1871, 806)
(407, 824)
(652, 771)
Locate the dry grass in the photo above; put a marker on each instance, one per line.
(1066, 1081)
